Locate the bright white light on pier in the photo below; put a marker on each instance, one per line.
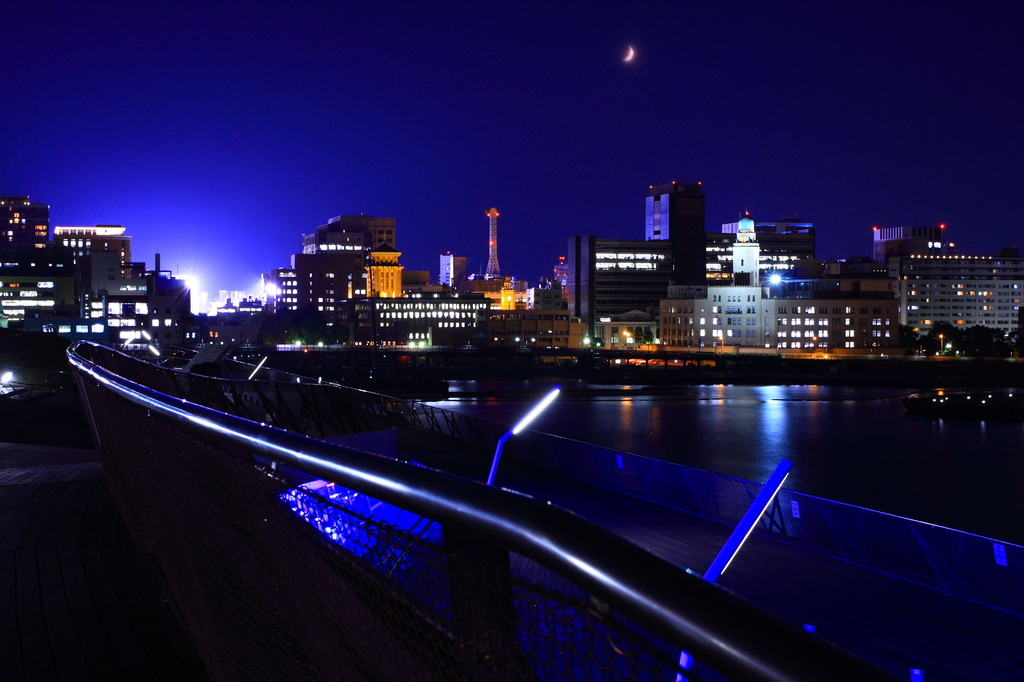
(537, 409)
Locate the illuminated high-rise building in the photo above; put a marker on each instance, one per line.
(492, 245)
(453, 269)
(24, 224)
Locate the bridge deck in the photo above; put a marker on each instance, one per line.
(893, 623)
(78, 601)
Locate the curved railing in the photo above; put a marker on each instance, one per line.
(288, 556)
(981, 569)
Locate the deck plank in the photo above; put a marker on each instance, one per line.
(121, 634)
(180, 660)
(99, 654)
(69, 657)
(78, 601)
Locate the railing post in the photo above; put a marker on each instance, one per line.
(482, 607)
(749, 521)
(739, 535)
(520, 425)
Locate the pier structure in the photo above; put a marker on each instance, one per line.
(264, 490)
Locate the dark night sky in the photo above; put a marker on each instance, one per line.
(219, 134)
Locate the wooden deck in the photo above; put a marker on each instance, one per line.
(78, 601)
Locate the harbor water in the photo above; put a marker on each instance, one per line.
(854, 445)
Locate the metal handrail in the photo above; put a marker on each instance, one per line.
(725, 632)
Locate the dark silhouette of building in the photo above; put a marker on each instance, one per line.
(350, 233)
(24, 224)
(332, 267)
(890, 242)
(675, 213)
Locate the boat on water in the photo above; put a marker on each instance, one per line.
(1001, 405)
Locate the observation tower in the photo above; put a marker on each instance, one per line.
(492, 245)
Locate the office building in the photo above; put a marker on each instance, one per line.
(24, 224)
(350, 233)
(319, 281)
(851, 325)
(334, 266)
(783, 244)
(534, 329)
(675, 214)
(607, 277)
(561, 272)
(900, 242)
(550, 297)
(611, 277)
(846, 315)
(431, 320)
(963, 291)
(170, 305)
(99, 255)
(453, 269)
(27, 293)
(151, 307)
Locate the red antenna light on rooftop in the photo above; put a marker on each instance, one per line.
(942, 226)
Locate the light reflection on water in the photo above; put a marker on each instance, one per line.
(850, 444)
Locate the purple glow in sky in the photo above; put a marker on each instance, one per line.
(218, 134)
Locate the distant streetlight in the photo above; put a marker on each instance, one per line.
(520, 425)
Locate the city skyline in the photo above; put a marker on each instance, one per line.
(218, 137)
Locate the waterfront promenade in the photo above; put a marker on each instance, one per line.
(81, 602)
(78, 600)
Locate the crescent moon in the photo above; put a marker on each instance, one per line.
(629, 57)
